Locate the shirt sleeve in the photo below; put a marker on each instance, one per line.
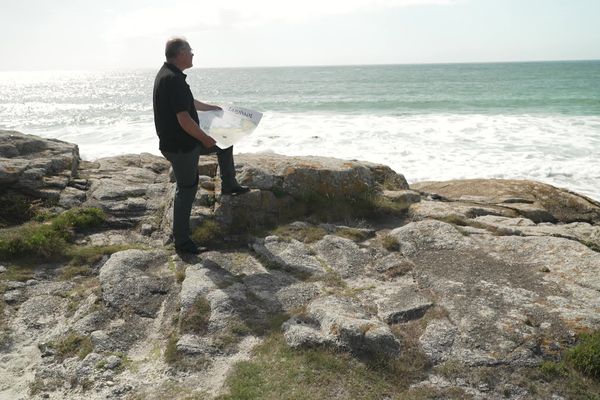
(179, 95)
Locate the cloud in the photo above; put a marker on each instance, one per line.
(156, 21)
(186, 15)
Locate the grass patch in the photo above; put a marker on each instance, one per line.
(18, 273)
(553, 369)
(227, 340)
(332, 280)
(279, 372)
(178, 271)
(33, 240)
(558, 378)
(89, 255)
(48, 240)
(454, 220)
(70, 271)
(168, 390)
(195, 319)
(180, 274)
(171, 355)
(354, 234)
(390, 243)
(208, 231)
(330, 208)
(179, 361)
(382, 205)
(39, 385)
(79, 293)
(15, 209)
(72, 345)
(585, 356)
(572, 377)
(303, 233)
(79, 218)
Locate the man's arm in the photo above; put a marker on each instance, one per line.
(200, 106)
(192, 129)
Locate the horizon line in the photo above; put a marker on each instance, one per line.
(313, 65)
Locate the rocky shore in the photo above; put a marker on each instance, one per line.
(481, 289)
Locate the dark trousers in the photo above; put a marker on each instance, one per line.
(185, 168)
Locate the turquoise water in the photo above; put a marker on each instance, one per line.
(568, 88)
(538, 120)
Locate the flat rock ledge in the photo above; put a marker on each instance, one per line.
(477, 277)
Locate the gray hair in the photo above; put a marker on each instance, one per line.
(174, 46)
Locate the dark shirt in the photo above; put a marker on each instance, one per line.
(172, 95)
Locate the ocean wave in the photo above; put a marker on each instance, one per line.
(560, 150)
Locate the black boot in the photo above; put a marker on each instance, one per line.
(235, 189)
(229, 185)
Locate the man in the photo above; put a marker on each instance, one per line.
(182, 141)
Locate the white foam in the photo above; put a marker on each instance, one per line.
(560, 150)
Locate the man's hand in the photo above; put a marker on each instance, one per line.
(200, 106)
(208, 141)
(191, 128)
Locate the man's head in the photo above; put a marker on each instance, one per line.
(179, 53)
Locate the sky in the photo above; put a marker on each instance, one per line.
(106, 34)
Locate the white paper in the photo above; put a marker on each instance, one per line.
(229, 125)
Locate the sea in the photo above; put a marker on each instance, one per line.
(526, 120)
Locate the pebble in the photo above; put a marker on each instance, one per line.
(113, 362)
(13, 296)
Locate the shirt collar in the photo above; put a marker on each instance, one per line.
(174, 69)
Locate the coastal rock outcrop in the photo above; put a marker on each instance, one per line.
(40, 168)
(465, 287)
(536, 201)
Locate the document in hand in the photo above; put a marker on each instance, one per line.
(229, 125)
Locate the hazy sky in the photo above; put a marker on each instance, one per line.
(98, 34)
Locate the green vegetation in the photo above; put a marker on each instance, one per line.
(207, 232)
(249, 324)
(48, 240)
(390, 243)
(171, 354)
(21, 273)
(573, 376)
(72, 345)
(171, 389)
(306, 234)
(195, 320)
(553, 369)
(335, 208)
(354, 234)
(40, 385)
(380, 205)
(177, 360)
(585, 357)
(15, 209)
(70, 271)
(89, 255)
(180, 274)
(79, 219)
(279, 372)
(85, 286)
